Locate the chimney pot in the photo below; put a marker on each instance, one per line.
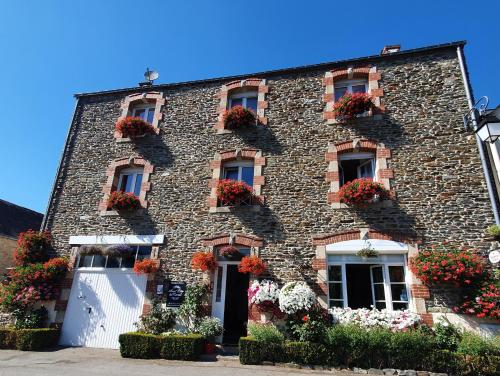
(389, 49)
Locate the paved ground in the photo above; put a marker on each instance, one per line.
(86, 362)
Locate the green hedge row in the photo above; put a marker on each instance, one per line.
(28, 339)
(149, 346)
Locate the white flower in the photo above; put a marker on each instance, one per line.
(296, 296)
(395, 320)
(264, 291)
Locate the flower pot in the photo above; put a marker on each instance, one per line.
(266, 317)
(209, 348)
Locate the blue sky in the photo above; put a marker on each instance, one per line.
(53, 49)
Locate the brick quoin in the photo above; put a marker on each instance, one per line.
(420, 291)
(427, 319)
(319, 264)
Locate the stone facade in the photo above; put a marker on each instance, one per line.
(438, 187)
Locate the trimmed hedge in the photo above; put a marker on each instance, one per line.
(28, 339)
(148, 346)
(7, 339)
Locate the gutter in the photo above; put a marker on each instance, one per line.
(480, 144)
(59, 168)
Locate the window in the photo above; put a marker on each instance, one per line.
(130, 181)
(342, 87)
(145, 112)
(355, 166)
(139, 252)
(240, 171)
(247, 99)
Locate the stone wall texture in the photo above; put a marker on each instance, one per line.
(438, 180)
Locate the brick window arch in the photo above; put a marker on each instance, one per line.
(152, 99)
(229, 156)
(113, 175)
(251, 241)
(383, 174)
(367, 73)
(257, 85)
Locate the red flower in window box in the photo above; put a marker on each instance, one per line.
(352, 104)
(229, 252)
(146, 266)
(446, 264)
(360, 192)
(233, 192)
(238, 117)
(204, 261)
(119, 200)
(253, 265)
(133, 127)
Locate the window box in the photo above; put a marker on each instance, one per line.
(134, 127)
(361, 192)
(233, 193)
(352, 105)
(238, 117)
(123, 201)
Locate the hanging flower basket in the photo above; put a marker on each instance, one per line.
(146, 266)
(229, 252)
(117, 250)
(238, 117)
(252, 265)
(264, 295)
(204, 261)
(367, 253)
(361, 192)
(133, 127)
(120, 201)
(351, 105)
(89, 250)
(233, 192)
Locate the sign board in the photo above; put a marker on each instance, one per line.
(175, 293)
(494, 257)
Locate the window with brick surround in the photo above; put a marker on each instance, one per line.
(349, 86)
(130, 180)
(355, 166)
(145, 112)
(245, 98)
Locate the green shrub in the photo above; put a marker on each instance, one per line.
(7, 338)
(159, 320)
(306, 353)
(494, 231)
(210, 327)
(265, 332)
(31, 319)
(36, 339)
(250, 350)
(447, 336)
(140, 345)
(473, 344)
(182, 347)
(378, 348)
(411, 350)
(348, 344)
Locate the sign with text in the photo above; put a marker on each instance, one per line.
(175, 293)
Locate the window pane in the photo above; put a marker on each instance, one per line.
(337, 303)
(252, 103)
(365, 169)
(137, 188)
(334, 273)
(244, 251)
(140, 112)
(113, 262)
(128, 183)
(128, 261)
(399, 306)
(231, 173)
(380, 305)
(85, 261)
(144, 252)
(236, 102)
(399, 292)
(377, 274)
(359, 89)
(379, 292)
(336, 291)
(339, 92)
(218, 293)
(99, 261)
(247, 175)
(396, 274)
(124, 182)
(151, 114)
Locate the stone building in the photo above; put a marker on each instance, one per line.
(296, 158)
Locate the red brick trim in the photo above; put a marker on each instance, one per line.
(217, 164)
(257, 84)
(113, 173)
(369, 73)
(322, 240)
(239, 239)
(427, 318)
(146, 308)
(318, 263)
(142, 98)
(320, 288)
(420, 291)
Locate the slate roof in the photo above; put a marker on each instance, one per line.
(15, 219)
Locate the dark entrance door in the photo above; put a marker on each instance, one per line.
(359, 292)
(235, 305)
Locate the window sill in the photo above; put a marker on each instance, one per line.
(224, 131)
(229, 209)
(127, 214)
(375, 205)
(360, 118)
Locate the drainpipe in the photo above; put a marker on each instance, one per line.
(480, 144)
(65, 149)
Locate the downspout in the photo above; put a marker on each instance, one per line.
(59, 168)
(480, 144)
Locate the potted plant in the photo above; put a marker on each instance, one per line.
(209, 328)
(117, 250)
(295, 297)
(252, 265)
(494, 231)
(89, 250)
(146, 266)
(133, 127)
(238, 117)
(122, 201)
(367, 252)
(230, 252)
(361, 192)
(233, 192)
(264, 295)
(351, 105)
(204, 261)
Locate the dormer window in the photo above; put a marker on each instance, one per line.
(351, 86)
(130, 181)
(145, 112)
(239, 171)
(356, 166)
(246, 99)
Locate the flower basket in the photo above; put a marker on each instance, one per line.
(361, 192)
(233, 192)
(352, 105)
(121, 201)
(204, 261)
(230, 252)
(252, 265)
(366, 253)
(264, 295)
(117, 250)
(133, 127)
(146, 266)
(296, 297)
(88, 250)
(238, 117)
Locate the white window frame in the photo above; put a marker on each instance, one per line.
(130, 171)
(148, 109)
(244, 96)
(105, 267)
(349, 84)
(387, 283)
(239, 165)
(358, 156)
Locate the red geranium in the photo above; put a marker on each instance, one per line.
(484, 302)
(233, 192)
(361, 192)
(352, 104)
(448, 264)
(204, 261)
(119, 200)
(238, 117)
(252, 264)
(145, 266)
(133, 127)
(32, 247)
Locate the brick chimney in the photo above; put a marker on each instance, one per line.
(389, 49)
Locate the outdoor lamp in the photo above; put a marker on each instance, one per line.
(488, 128)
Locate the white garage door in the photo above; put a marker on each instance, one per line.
(102, 305)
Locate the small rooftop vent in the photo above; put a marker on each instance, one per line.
(390, 49)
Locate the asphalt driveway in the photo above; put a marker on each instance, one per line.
(85, 362)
